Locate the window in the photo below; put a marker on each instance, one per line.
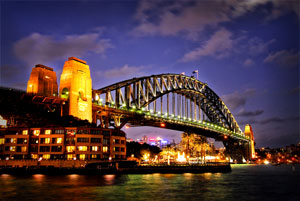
(34, 148)
(59, 131)
(95, 156)
(95, 140)
(105, 149)
(106, 133)
(47, 132)
(116, 141)
(82, 139)
(34, 156)
(21, 141)
(13, 140)
(122, 149)
(47, 140)
(82, 156)
(1, 140)
(106, 141)
(95, 131)
(45, 149)
(59, 140)
(70, 140)
(12, 148)
(116, 148)
(82, 148)
(83, 132)
(70, 148)
(122, 141)
(23, 149)
(25, 132)
(56, 148)
(71, 156)
(36, 132)
(34, 140)
(94, 148)
(46, 156)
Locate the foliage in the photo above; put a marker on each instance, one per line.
(138, 150)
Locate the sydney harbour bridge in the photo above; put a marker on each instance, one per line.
(171, 101)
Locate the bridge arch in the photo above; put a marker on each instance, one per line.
(189, 98)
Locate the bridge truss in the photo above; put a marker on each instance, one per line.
(172, 98)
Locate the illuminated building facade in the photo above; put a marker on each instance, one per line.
(42, 81)
(66, 143)
(76, 87)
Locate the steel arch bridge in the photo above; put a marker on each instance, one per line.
(172, 101)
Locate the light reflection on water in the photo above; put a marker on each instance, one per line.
(245, 182)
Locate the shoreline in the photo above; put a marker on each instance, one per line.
(222, 168)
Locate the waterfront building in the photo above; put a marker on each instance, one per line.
(66, 143)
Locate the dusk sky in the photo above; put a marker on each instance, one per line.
(246, 51)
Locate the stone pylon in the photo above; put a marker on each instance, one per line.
(76, 87)
(42, 81)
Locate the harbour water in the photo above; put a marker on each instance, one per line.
(245, 182)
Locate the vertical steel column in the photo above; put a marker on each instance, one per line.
(168, 104)
(199, 107)
(173, 103)
(195, 109)
(154, 106)
(182, 105)
(186, 108)
(178, 105)
(191, 108)
(161, 105)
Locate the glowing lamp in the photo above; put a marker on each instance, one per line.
(162, 125)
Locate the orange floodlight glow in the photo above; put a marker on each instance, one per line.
(162, 125)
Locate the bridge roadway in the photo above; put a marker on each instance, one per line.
(142, 117)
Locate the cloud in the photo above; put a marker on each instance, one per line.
(237, 99)
(190, 18)
(258, 46)
(244, 113)
(219, 46)
(284, 58)
(124, 71)
(248, 62)
(271, 120)
(38, 48)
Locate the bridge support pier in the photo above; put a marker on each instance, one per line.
(237, 150)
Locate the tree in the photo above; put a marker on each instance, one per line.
(194, 145)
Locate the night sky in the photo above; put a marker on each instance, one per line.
(247, 51)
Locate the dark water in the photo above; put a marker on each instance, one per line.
(245, 182)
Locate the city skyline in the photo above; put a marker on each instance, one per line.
(247, 52)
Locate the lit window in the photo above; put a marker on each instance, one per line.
(25, 132)
(82, 148)
(46, 156)
(94, 155)
(47, 132)
(34, 156)
(59, 140)
(94, 148)
(105, 149)
(47, 140)
(82, 156)
(70, 149)
(1, 140)
(12, 148)
(23, 149)
(36, 132)
(71, 156)
(13, 140)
